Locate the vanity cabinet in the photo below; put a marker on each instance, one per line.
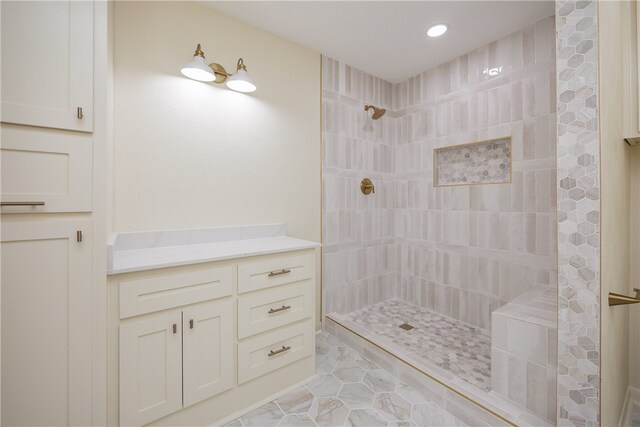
(174, 359)
(47, 64)
(200, 342)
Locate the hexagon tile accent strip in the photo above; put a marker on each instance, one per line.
(578, 214)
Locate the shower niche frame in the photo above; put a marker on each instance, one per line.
(438, 162)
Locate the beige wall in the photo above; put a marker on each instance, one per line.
(616, 173)
(187, 154)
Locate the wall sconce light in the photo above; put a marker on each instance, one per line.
(197, 69)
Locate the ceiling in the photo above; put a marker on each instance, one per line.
(387, 38)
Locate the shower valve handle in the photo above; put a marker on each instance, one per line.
(367, 187)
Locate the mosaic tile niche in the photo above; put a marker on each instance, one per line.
(483, 162)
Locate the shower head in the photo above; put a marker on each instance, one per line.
(377, 112)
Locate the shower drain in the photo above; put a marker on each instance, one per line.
(406, 327)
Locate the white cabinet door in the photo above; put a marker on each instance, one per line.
(47, 63)
(150, 368)
(50, 168)
(209, 367)
(46, 323)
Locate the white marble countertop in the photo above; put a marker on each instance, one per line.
(139, 251)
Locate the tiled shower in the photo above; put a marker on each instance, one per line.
(459, 238)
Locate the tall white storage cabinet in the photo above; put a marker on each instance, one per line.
(53, 204)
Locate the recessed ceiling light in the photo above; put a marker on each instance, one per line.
(437, 30)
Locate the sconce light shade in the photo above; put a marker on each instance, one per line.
(197, 69)
(241, 82)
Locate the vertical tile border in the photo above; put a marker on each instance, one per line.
(578, 214)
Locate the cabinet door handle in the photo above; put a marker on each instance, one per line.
(79, 236)
(191, 324)
(282, 350)
(175, 328)
(283, 308)
(79, 113)
(21, 203)
(279, 272)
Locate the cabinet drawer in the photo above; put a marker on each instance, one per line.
(263, 310)
(276, 270)
(159, 293)
(267, 352)
(43, 166)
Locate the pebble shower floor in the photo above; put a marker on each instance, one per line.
(451, 345)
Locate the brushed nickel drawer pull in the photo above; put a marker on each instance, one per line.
(21, 203)
(279, 272)
(282, 350)
(175, 328)
(276, 310)
(79, 113)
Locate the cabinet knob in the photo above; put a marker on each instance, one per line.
(79, 113)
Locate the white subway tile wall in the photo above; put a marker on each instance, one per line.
(461, 251)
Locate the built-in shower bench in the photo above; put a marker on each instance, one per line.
(524, 339)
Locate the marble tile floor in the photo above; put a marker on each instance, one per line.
(451, 345)
(349, 391)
